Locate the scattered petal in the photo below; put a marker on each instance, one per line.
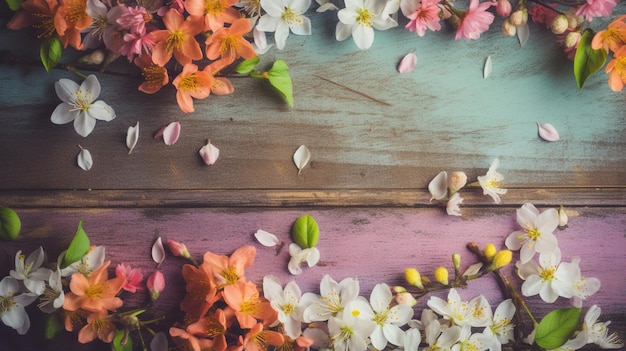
(132, 135)
(547, 132)
(266, 238)
(209, 153)
(408, 62)
(438, 187)
(301, 157)
(158, 251)
(327, 7)
(170, 133)
(487, 69)
(84, 159)
(473, 269)
(523, 32)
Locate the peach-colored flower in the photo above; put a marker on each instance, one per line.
(201, 290)
(96, 293)
(229, 270)
(74, 319)
(249, 307)
(177, 39)
(69, 20)
(475, 20)
(613, 37)
(214, 12)
(229, 43)
(184, 339)
(99, 325)
(616, 69)
(156, 76)
(221, 85)
(191, 83)
(212, 327)
(36, 13)
(258, 339)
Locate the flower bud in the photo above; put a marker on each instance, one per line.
(559, 24)
(501, 259)
(508, 29)
(456, 261)
(571, 40)
(178, 249)
(413, 277)
(155, 284)
(456, 181)
(490, 251)
(398, 289)
(406, 298)
(94, 58)
(562, 217)
(572, 20)
(441, 275)
(519, 18)
(503, 8)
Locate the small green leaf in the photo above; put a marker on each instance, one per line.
(15, 5)
(10, 224)
(122, 336)
(52, 326)
(50, 52)
(587, 60)
(247, 66)
(557, 327)
(305, 232)
(78, 247)
(279, 78)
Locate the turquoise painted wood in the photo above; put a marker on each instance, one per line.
(442, 116)
(374, 245)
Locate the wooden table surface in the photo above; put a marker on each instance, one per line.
(376, 137)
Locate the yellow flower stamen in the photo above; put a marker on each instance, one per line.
(75, 11)
(291, 18)
(547, 274)
(364, 17)
(214, 328)
(174, 41)
(229, 274)
(228, 47)
(288, 308)
(213, 6)
(95, 291)
(190, 83)
(44, 25)
(154, 75)
(620, 67)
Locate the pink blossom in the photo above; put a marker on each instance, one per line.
(596, 8)
(133, 18)
(422, 16)
(137, 43)
(503, 8)
(133, 277)
(178, 249)
(542, 14)
(155, 284)
(475, 20)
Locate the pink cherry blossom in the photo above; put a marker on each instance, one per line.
(596, 8)
(422, 15)
(475, 20)
(133, 277)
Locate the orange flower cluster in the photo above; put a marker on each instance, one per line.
(223, 310)
(613, 39)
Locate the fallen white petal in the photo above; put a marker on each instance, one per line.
(132, 136)
(488, 65)
(523, 32)
(209, 153)
(547, 132)
(266, 238)
(408, 62)
(438, 187)
(158, 251)
(326, 7)
(473, 269)
(301, 157)
(85, 161)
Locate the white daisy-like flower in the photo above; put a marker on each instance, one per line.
(350, 331)
(79, 105)
(332, 300)
(283, 16)
(286, 302)
(537, 234)
(12, 305)
(359, 18)
(29, 270)
(490, 182)
(388, 319)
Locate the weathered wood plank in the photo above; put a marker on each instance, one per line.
(374, 245)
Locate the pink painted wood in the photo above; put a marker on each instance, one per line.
(371, 244)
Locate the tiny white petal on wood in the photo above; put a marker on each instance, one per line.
(547, 132)
(473, 269)
(170, 133)
(488, 65)
(438, 187)
(132, 136)
(266, 238)
(84, 159)
(158, 251)
(301, 157)
(523, 32)
(408, 62)
(209, 153)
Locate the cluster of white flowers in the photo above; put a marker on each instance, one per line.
(550, 278)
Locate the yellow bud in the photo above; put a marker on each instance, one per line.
(490, 251)
(398, 289)
(456, 261)
(441, 275)
(413, 277)
(502, 259)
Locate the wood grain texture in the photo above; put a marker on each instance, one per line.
(442, 116)
(374, 245)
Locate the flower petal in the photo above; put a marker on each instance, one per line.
(438, 187)
(301, 157)
(132, 136)
(84, 159)
(101, 110)
(84, 125)
(170, 133)
(266, 238)
(66, 89)
(209, 153)
(488, 66)
(64, 113)
(408, 62)
(91, 87)
(158, 251)
(547, 132)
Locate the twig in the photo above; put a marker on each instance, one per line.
(354, 91)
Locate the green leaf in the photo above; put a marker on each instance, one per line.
(10, 224)
(122, 336)
(78, 247)
(305, 232)
(557, 327)
(50, 52)
(279, 78)
(15, 5)
(52, 326)
(587, 60)
(247, 66)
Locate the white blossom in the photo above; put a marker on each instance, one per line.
(537, 234)
(283, 16)
(12, 305)
(29, 270)
(359, 18)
